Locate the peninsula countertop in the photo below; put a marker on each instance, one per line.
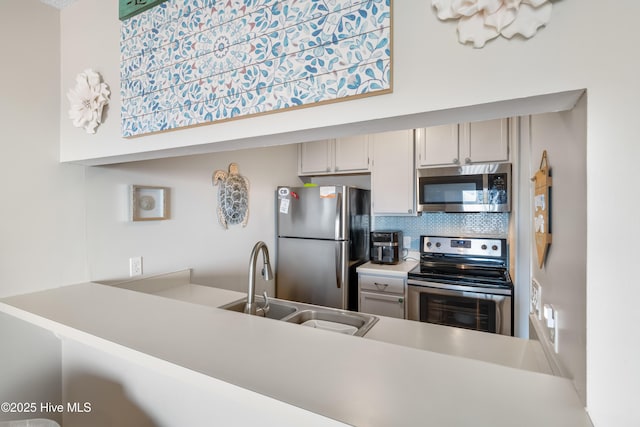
(357, 381)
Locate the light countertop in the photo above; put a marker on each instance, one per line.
(401, 269)
(358, 381)
(505, 351)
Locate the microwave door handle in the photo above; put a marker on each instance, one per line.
(379, 253)
(485, 188)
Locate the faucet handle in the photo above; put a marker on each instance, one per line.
(262, 311)
(266, 306)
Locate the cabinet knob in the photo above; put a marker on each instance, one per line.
(455, 161)
(467, 160)
(410, 210)
(328, 169)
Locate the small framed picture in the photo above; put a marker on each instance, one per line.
(149, 203)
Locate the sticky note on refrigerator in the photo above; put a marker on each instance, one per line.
(284, 206)
(327, 192)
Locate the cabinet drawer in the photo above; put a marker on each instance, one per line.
(383, 305)
(383, 284)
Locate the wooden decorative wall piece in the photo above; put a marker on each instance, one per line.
(542, 208)
(203, 61)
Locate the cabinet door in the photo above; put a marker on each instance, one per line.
(352, 154)
(437, 145)
(486, 141)
(383, 305)
(315, 157)
(393, 173)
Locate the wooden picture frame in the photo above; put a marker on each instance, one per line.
(149, 203)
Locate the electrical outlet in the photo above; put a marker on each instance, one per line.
(553, 333)
(135, 266)
(406, 242)
(536, 299)
(551, 318)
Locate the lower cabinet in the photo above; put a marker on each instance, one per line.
(382, 295)
(384, 305)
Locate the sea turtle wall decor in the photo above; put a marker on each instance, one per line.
(233, 196)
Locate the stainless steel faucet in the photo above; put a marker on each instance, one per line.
(251, 306)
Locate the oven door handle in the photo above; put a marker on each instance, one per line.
(460, 288)
(498, 318)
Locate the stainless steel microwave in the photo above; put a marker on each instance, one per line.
(468, 188)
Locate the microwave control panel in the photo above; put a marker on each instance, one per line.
(497, 189)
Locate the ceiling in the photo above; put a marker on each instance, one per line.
(58, 4)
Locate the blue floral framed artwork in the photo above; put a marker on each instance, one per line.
(189, 62)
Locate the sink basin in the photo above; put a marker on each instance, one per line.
(327, 318)
(276, 311)
(344, 322)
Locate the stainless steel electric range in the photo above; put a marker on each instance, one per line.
(462, 282)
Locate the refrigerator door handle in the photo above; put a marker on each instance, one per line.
(339, 216)
(339, 264)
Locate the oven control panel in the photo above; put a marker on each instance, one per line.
(464, 246)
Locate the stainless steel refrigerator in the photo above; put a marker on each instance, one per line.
(323, 236)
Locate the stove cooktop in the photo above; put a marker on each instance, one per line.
(463, 261)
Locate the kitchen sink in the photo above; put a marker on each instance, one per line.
(330, 319)
(277, 310)
(344, 322)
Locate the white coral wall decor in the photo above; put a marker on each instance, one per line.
(88, 98)
(482, 20)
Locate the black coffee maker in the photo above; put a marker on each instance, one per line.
(386, 247)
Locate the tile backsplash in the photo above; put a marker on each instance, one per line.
(445, 224)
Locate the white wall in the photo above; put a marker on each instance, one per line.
(587, 44)
(428, 64)
(42, 242)
(563, 276)
(192, 238)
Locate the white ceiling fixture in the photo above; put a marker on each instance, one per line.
(58, 4)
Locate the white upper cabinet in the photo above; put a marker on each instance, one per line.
(437, 145)
(352, 154)
(334, 156)
(393, 173)
(449, 145)
(315, 157)
(486, 141)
